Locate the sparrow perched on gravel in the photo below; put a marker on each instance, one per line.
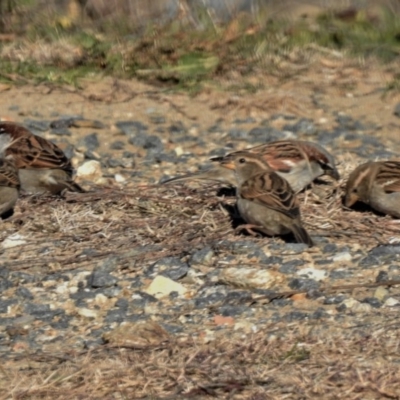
(9, 181)
(265, 200)
(299, 162)
(42, 166)
(376, 184)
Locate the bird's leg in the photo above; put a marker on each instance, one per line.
(249, 229)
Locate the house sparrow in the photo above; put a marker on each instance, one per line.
(376, 184)
(9, 181)
(299, 162)
(264, 199)
(42, 166)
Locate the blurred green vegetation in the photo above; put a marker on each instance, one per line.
(179, 55)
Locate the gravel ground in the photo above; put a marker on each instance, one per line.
(133, 272)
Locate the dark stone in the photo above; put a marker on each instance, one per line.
(237, 134)
(382, 276)
(117, 145)
(319, 313)
(5, 284)
(237, 297)
(4, 304)
(266, 134)
(122, 303)
(369, 261)
(42, 311)
(303, 284)
(203, 256)
(290, 267)
(335, 299)
(340, 274)
(147, 142)
(131, 128)
(209, 300)
(248, 120)
(62, 322)
(296, 316)
(231, 311)
(341, 307)
(110, 292)
(330, 248)
(81, 296)
(281, 302)
(128, 154)
(4, 273)
(177, 127)
(35, 125)
(24, 293)
(384, 250)
(373, 301)
(140, 299)
(173, 329)
(101, 279)
(170, 267)
(117, 315)
(303, 126)
(23, 277)
(91, 141)
(62, 123)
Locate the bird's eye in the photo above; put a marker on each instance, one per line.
(242, 160)
(355, 190)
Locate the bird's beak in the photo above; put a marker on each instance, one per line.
(333, 173)
(227, 163)
(350, 199)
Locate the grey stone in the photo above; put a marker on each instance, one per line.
(177, 127)
(131, 128)
(373, 301)
(5, 284)
(290, 267)
(303, 284)
(382, 276)
(117, 145)
(171, 267)
(91, 141)
(117, 315)
(35, 125)
(335, 299)
(4, 304)
(203, 256)
(24, 293)
(100, 279)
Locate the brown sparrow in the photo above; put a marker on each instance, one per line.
(9, 181)
(42, 166)
(376, 184)
(297, 161)
(264, 199)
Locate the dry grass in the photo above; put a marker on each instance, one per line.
(357, 362)
(298, 360)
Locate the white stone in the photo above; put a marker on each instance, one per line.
(344, 256)
(13, 241)
(85, 312)
(178, 150)
(162, 286)
(251, 277)
(313, 273)
(119, 178)
(390, 302)
(90, 170)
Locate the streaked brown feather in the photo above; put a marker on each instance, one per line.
(388, 176)
(31, 151)
(272, 191)
(8, 174)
